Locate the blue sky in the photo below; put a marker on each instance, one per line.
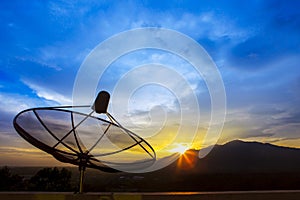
(255, 45)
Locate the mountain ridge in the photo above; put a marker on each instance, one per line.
(241, 156)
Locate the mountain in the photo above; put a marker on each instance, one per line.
(236, 165)
(241, 157)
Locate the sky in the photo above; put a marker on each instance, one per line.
(255, 46)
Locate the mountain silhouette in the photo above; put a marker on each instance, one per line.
(236, 165)
(239, 156)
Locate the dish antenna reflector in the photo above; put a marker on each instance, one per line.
(73, 135)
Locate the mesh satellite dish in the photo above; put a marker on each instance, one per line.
(86, 136)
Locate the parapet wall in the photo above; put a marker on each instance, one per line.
(247, 195)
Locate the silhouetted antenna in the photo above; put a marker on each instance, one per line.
(72, 135)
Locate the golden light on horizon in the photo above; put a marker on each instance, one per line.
(180, 148)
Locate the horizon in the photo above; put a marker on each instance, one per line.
(59, 164)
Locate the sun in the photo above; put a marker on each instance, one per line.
(180, 148)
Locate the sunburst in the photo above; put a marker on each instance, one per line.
(180, 148)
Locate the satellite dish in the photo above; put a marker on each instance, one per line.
(86, 139)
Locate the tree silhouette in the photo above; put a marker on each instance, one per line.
(51, 179)
(9, 181)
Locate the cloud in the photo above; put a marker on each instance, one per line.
(262, 122)
(13, 103)
(40, 61)
(202, 24)
(48, 94)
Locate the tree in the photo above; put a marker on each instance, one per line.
(51, 179)
(9, 181)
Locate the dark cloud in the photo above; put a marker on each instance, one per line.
(256, 134)
(265, 110)
(292, 118)
(283, 139)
